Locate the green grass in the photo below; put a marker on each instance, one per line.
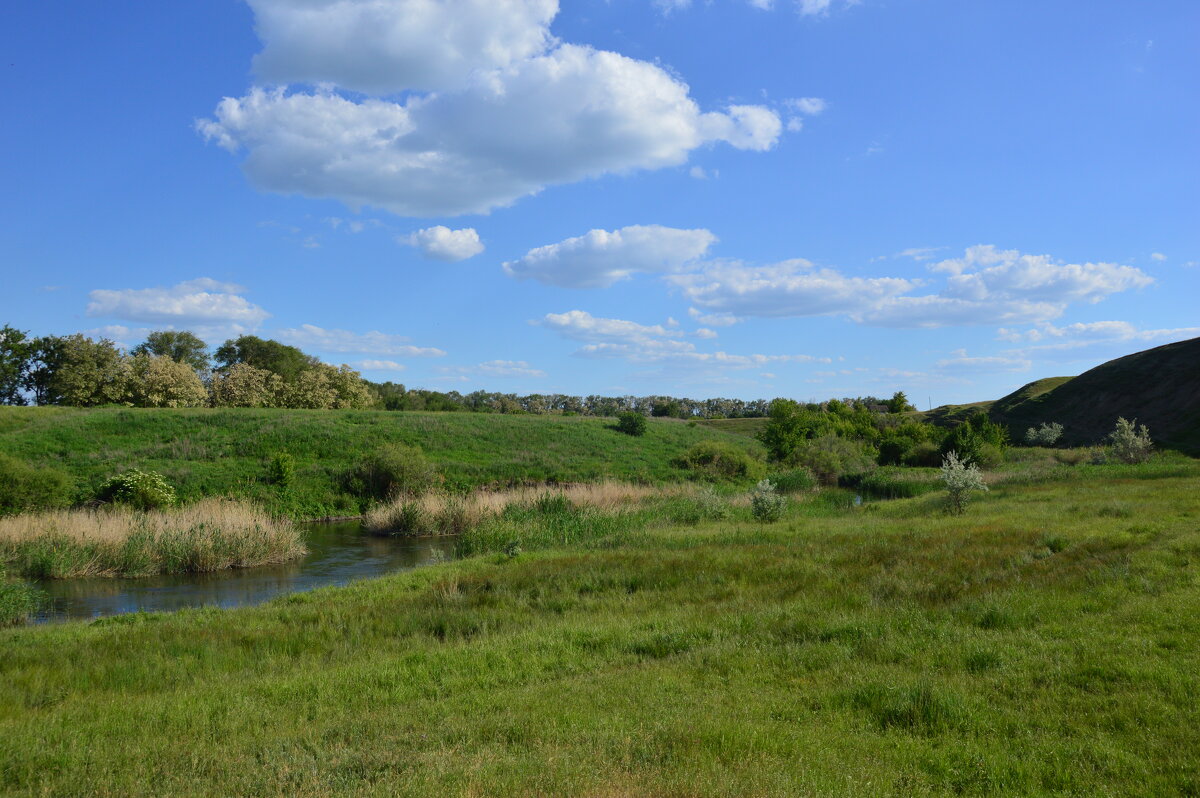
(1042, 644)
(206, 452)
(17, 600)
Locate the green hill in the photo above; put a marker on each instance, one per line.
(1159, 387)
(226, 451)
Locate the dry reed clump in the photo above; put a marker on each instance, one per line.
(211, 535)
(439, 514)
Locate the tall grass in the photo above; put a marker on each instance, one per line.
(211, 535)
(17, 600)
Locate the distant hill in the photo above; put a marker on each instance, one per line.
(1159, 387)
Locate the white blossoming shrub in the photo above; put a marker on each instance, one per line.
(1045, 435)
(960, 477)
(766, 504)
(1130, 443)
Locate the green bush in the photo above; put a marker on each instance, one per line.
(141, 490)
(925, 454)
(793, 481)
(1129, 443)
(17, 600)
(631, 423)
(717, 461)
(392, 470)
(281, 471)
(829, 457)
(24, 487)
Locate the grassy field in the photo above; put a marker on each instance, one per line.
(1045, 643)
(226, 452)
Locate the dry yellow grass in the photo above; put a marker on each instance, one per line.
(480, 505)
(210, 535)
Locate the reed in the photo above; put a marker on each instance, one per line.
(210, 535)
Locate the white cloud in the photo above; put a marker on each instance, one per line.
(791, 288)
(379, 365)
(601, 258)
(919, 253)
(713, 319)
(1158, 256)
(537, 118)
(1048, 337)
(705, 333)
(442, 243)
(985, 286)
(810, 106)
(495, 368)
(388, 46)
(819, 7)
(960, 361)
(200, 301)
(642, 343)
(377, 343)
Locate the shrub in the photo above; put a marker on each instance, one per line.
(24, 487)
(17, 600)
(141, 490)
(705, 505)
(765, 503)
(1072, 456)
(392, 470)
(960, 477)
(716, 460)
(1130, 443)
(281, 471)
(793, 480)
(1045, 435)
(631, 423)
(925, 454)
(829, 456)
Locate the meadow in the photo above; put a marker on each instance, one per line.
(1043, 643)
(206, 452)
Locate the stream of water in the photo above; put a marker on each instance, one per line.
(337, 553)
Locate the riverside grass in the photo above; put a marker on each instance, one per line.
(1043, 643)
(229, 451)
(211, 535)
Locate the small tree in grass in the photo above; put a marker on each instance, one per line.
(632, 423)
(1130, 443)
(960, 477)
(766, 504)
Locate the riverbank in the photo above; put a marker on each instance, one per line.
(210, 535)
(1044, 642)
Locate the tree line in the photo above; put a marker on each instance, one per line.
(174, 368)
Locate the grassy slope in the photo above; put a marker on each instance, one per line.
(746, 427)
(225, 452)
(1044, 643)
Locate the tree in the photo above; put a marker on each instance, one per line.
(16, 350)
(179, 345)
(789, 424)
(75, 370)
(161, 381)
(243, 385)
(898, 403)
(631, 422)
(286, 361)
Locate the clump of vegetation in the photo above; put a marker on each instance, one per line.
(281, 471)
(1130, 443)
(830, 456)
(24, 487)
(960, 477)
(1045, 435)
(704, 505)
(390, 471)
(794, 480)
(720, 461)
(765, 502)
(17, 600)
(211, 535)
(631, 423)
(978, 439)
(139, 490)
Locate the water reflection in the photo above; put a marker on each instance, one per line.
(337, 553)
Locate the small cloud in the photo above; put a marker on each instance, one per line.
(1158, 256)
(192, 302)
(379, 365)
(442, 243)
(767, 375)
(705, 333)
(713, 319)
(310, 336)
(795, 124)
(919, 253)
(809, 106)
(492, 368)
(698, 173)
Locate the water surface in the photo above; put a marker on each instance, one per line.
(337, 553)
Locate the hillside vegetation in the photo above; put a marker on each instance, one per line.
(227, 451)
(1159, 387)
(1042, 644)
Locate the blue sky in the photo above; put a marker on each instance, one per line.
(736, 197)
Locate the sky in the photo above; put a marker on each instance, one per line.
(740, 198)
